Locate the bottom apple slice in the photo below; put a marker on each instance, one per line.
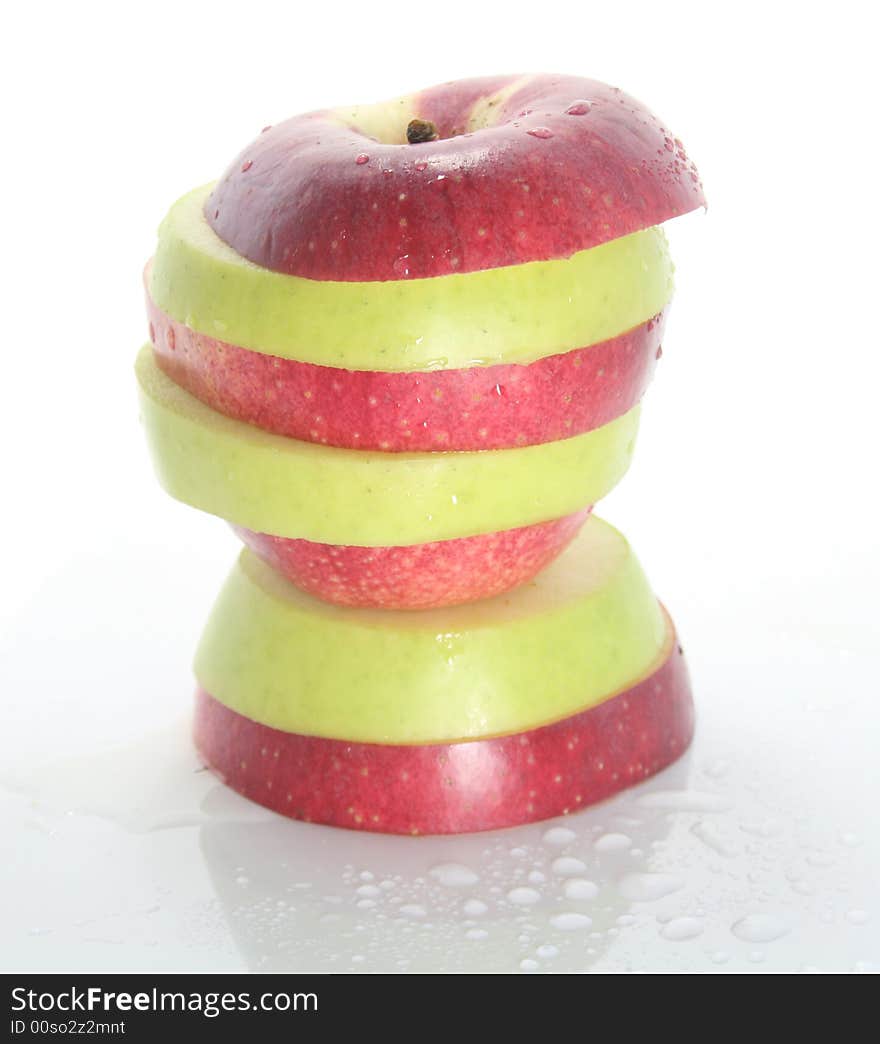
(417, 576)
(459, 787)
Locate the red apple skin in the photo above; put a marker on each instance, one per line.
(458, 787)
(481, 407)
(419, 576)
(570, 163)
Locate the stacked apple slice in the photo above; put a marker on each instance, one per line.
(401, 349)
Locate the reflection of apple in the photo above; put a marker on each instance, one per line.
(420, 576)
(585, 627)
(451, 788)
(524, 169)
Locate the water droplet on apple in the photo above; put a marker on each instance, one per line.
(578, 108)
(421, 166)
(401, 267)
(540, 132)
(362, 159)
(659, 352)
(266, 128)
(246, 166)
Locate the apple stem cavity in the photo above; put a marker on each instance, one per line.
(418, 131)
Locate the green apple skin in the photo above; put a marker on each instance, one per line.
(513, 314)
(584, 629)
(287, 488)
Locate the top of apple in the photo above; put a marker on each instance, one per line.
(465, 176)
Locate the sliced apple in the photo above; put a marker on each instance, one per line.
(453, 788)
(420, 576)
(481, 407)
(514, 314)
(271, 484)
(525, 168)
(581, 630)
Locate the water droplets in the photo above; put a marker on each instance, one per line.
(681, 928)
(578, 108)
(571, 922)
(579, 888)
(401, 267)
(568, 866)
(361, 159)
(559, 837)
(454, 875)
(540, 132)
(648, 887)
(612, 843)
(760, 928)
(523, 896)
(246, 166)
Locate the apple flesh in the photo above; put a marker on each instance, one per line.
(457, 787)
(525, 169)
(479, 407)
(272, 484)
(512, 314)
(420, 576)
(583, 628)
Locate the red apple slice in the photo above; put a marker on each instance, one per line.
(456, 787)
(525, 169)
(419, 576)
(481, 407)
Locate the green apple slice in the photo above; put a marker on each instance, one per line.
(513, 314)
(278, 485)
(583, 630)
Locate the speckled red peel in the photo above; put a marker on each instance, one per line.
(456, 787)
(566, 164)
(420, 576)
(481, 407)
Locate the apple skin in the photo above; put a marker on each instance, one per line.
(456, 787)
(562, 164)
(418, 576)
(479, 407)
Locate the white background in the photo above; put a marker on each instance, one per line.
(752, 501)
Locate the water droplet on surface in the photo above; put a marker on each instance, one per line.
(454, 875)
(475, 908)
(647, 887)
(559, 836)
(850, 840)
(523, 896)
(568, 866)
(368, 891)
(580, 888)
(857, 916)
(570, 922)
(476, 933)
(547, 951)
(540, 132)
(246, 166)
(578, 108)
(401, 267)
(762, 928)
(536, 877)
(528, 964)
(612, 843)
(720, 957)
(421, 166)
(362, 159)
(681, 928)
(415, 910)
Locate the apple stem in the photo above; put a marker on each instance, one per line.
(418, 131)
